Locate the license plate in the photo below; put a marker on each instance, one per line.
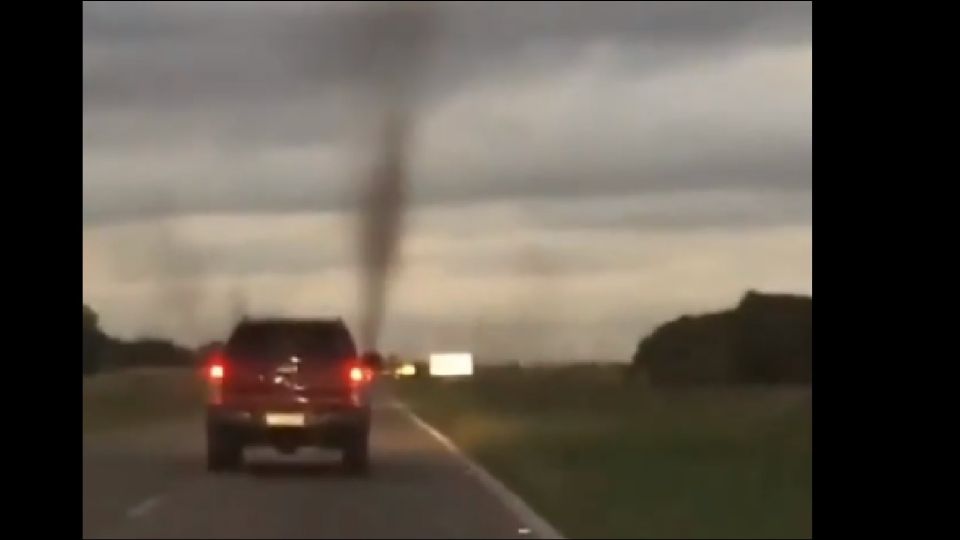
(285, 419)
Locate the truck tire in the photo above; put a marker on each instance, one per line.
(356, 453)
(223, 452)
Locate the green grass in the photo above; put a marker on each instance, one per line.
(603, 459)
(139, 397)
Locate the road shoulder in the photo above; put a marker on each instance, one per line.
(539, 527)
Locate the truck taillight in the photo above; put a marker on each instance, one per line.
(359, 374)
(216, 371)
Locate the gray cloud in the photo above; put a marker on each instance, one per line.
(229, 261)
(246, 78)
(170, 54)
(716, 210)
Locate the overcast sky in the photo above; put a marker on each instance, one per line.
(581, 171)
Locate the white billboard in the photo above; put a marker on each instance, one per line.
(451, 364)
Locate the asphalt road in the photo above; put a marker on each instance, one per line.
(152, 483)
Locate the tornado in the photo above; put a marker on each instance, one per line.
(381, 225)
(392, 51)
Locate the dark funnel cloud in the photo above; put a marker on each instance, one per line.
(380, 221)
(390, 49)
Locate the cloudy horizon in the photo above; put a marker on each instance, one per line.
(581, 172)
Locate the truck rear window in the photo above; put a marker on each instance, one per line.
(311, 342)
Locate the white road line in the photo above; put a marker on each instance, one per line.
(540, 526)
(144, 507)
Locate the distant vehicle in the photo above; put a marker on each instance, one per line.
(407, 369)
(289, 383)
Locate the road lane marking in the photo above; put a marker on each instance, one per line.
(144, 507)
(518, 506)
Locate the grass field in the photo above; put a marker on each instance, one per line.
(137, 397)
(603, 459)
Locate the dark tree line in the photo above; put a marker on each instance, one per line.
(93, 341)
(102, 352)
(766, 339)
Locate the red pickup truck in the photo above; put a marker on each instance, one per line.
(289, 383)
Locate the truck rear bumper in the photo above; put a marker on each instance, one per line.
(325, 428)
